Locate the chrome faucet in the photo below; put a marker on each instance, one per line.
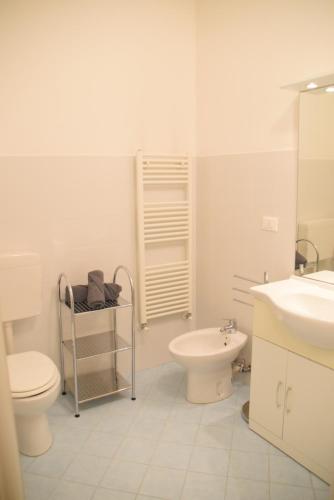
(229, 327)
(314, 248)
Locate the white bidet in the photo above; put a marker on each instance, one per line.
(208, 359)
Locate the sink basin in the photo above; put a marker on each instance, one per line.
(306, 308)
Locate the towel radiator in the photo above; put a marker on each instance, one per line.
(164, 225)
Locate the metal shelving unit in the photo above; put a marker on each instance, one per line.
(94, 385)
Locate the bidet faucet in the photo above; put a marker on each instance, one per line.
(229, 327)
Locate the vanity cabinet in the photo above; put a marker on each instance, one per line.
(268, 385)
(292, 405)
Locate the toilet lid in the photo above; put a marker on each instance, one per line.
(30, 373)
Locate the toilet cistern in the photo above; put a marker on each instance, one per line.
(33, 376)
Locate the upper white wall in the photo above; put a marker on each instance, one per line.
(102, 77)
(246, 52)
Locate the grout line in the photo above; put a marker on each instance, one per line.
(191, 456)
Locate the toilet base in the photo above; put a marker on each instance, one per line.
(209, 386)
(33, 433)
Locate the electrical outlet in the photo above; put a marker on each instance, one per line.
(270, 224)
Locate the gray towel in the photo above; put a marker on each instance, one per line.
(299, 260)
(112, 291)
(95, 297)
(79, 294)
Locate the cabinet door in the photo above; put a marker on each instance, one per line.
(309, 410)
(269, 363)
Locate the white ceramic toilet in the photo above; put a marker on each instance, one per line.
(33, 376)
(208, 355)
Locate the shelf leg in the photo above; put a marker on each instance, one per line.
(133, 370)
(75, 368)
(62, 361)
(115, 343)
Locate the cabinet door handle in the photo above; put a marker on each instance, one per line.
(287, 408)
(278, 403)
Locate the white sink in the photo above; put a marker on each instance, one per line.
(307, 308)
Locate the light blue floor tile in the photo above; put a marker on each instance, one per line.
(89, 417)
(184, 433)
(243, 394)
(215, 436)
(115, 423)
(318, 484)
(163, 392)
(147, 428)
(103, 494)
(125, 406)
(286, 471)
(209, 460)
(87, 469)
(163, 483)
(62, 407)
(136, 450)
(245, 489)
(142, 390)
(321, 495)
(124, 476)
(281, 491)
(246, 440)
(219, 415)
(144, 497)
(147, 376)
(200, 486)
(162, 447)
(38, 487)
(275, 451)
(67, 490)
(186, 413)
(172, 455)
(52, 464)
(71, 439)
(102, 444)
(247, 465)
(156, 409)
(26, 461)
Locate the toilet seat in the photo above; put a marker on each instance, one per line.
(30, 373)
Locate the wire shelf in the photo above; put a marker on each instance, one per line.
(96, 344)
(98, 384)
(83, 307)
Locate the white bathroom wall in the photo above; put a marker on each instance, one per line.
(79, 214)
(247, 140)
(83, 86)
(97, 78)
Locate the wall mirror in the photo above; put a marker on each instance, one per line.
(315, 205)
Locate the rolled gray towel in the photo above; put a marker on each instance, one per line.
(112, 291)
(299, 260)
(79, 294)
(96, 297)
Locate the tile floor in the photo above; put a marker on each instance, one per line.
(161, 447)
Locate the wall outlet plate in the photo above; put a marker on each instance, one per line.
(270, 223)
